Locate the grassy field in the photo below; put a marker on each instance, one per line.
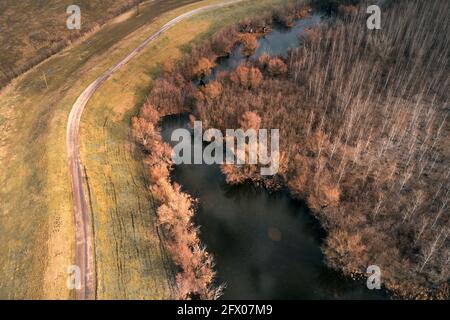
(36, 223)
(31, 30)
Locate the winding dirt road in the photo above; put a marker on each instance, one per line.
(84, 255)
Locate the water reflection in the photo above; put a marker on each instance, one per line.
(266, 245)
(276, 43)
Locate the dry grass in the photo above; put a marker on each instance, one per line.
(31, 31)
(36, 220)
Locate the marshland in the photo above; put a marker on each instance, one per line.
(364, 139)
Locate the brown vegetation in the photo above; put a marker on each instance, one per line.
(285, 16)
(247, 77)
(348, 11)
(212, 90)
(195, 276)
(276, 67)
(250, 120)
(203, 68)
(249, 44)
(259, 25)
(364, 131)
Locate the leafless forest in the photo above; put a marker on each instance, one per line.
(364, 136)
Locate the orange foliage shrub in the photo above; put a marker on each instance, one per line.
(149, 113)
(277, 67)
(203, 68)
(263, 60)
(167, 66)
(143, 131)
(255, 78)
(156, 172)
(344, 246)
(212, 90)
(250, 44)
(247, 77)
(176, 210)
(196, 276)
(250, 120)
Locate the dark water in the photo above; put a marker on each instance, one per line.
(276, 43)
(265, 245)
(281, 39)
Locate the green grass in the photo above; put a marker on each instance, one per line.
(36, 222)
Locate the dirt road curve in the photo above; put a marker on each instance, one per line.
(84, 255)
